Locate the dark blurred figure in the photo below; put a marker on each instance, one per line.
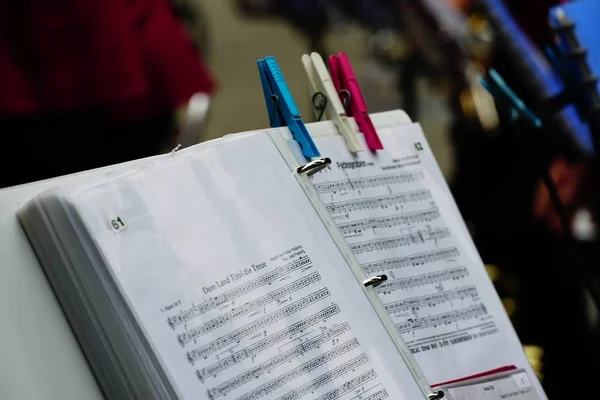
(85, 84)
(515, 225)
(314, 18)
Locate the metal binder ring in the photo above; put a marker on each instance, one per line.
(314, 166)
(436, 395)
(375, 281)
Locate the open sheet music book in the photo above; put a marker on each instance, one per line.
(219, 272)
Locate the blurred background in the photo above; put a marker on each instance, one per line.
(83, 86)
(235, 37)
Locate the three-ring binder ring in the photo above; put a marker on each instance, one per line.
(436, 395)
(314, 166)
(375, 280)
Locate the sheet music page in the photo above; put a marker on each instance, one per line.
(396, 212)
(237, 283)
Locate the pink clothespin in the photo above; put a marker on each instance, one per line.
(344, 79)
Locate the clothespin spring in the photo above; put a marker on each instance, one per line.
(321, 105)
(319, 102)
(275, 101)
(346, 98)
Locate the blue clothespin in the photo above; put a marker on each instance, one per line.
(281, 106)
(504, 94)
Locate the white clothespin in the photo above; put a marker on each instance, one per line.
(320, 82)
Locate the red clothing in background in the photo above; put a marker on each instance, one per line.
(132, 56)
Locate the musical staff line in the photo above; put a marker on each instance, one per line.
(349, 386)
(423, 279)
(368, 182)
(255, 304)
(254, 326)
(276, 274)
(390, 221)
(412, 259)
(420, 236)
(432, 299)
(276, 361)
(379, 201)
(378, 395)
(443, 319)
(304, 369)
(286, 356)
(324, 379)
(256, 348)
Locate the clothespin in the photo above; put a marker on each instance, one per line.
(320, 83)
(344, 80)
(504, 95)
(281, 106)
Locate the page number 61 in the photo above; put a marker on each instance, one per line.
(117, 224)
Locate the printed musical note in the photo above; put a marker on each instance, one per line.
(412, 259)
(214, 369)
(369, 182)
(269, 365)
(399, 227)
(389, 221)
(251, 306)
(252, 327)
(321, 380)
(283, 379)
(430, 300)
(454, 273)
(350, 385)
(378, 395)
(258, 337)
(447, 318)
(261, 281)
(366, 203)
(418, 237)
